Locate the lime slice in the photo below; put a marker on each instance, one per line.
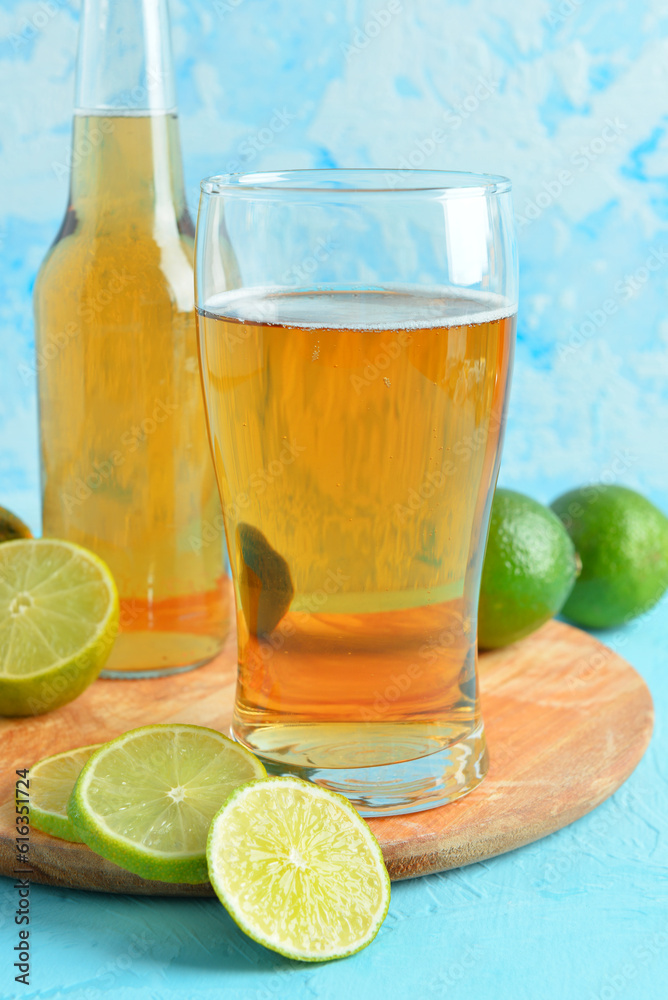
(146, 800)
(298, 869)
(51, 784)
(58, 622)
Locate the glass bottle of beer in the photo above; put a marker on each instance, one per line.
(126, 466)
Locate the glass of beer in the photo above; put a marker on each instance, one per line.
(356, 333)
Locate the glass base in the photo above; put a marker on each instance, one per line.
(139, 655)
(395, 787)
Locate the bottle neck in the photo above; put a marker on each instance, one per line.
(127, 166)
(124, 62)
(126, 157)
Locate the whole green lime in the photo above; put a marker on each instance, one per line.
(622, 540)
(529, 570)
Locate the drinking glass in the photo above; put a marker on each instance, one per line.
(356, 333)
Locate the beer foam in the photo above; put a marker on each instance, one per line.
(392, 307)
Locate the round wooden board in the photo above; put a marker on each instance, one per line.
(567, 721)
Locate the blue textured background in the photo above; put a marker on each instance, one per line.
(570, 99)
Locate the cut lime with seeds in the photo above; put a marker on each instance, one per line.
(51, 784)
(146, 800)
(298, 869)
(58, 622)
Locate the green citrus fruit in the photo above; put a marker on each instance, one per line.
(298, 869)
(12, 526)
(146, 800)
(265, 583)
(622, 540)
(529, 570)
(51, 782)
(58, 622)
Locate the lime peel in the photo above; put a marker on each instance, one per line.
(529, 569)
(51, 782)
(146, 799)
(298, 869)
(59, 615)
(622, 540)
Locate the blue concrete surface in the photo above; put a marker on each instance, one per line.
(568, 98)
(580, 915)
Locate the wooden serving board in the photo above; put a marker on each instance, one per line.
(567, 721)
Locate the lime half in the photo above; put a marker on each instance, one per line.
(58, 622)
(146, 800)
(298, 869)
(51, 784)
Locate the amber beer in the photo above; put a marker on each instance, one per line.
(126, 467)
(355, 437)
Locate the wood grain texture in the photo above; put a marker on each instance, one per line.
(567, 721)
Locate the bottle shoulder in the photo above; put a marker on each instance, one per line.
(85, 244)
(145, 265)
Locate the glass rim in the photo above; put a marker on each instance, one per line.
(358, 181)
